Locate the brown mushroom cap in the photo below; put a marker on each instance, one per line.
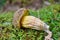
(18, 16)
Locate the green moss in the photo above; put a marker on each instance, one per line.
(50, 15)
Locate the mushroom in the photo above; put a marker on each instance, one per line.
(23, 19)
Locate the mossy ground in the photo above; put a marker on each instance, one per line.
(50, 15)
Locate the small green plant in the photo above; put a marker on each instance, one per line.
(50, 15)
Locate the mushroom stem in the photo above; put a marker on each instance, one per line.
(49, 33)
(48, 37)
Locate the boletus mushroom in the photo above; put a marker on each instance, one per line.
(23, 19)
